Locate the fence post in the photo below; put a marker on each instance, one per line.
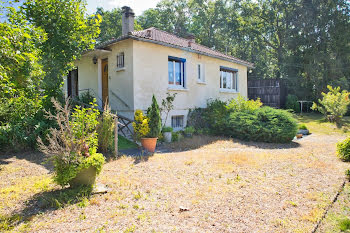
(116, 136)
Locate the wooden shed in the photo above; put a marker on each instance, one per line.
(272, 92)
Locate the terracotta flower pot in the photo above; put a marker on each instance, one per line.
(149, 144)
(299, 135)
(86, 176)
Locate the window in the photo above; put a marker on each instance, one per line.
(177, 122)
(200, 71)
(176, 71)
(120, 60)
(228, 78)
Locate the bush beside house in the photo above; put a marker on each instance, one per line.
(245, 119)
(264, 124)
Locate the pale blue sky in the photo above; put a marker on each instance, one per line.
(137, 5)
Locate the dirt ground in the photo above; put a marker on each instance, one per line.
(210, 185)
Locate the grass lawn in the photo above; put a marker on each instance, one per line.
(124, 143)
(210, 184)
(317, 124)
(338, 217)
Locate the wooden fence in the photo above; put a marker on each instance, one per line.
(272, 92)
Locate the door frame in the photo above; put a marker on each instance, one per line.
(105, 82)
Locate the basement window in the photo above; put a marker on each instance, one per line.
(177, 122)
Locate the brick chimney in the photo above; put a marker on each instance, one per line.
(191, 38)
(128, 16)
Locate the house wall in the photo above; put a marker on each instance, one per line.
(87, 75)
(121, 91)
(146, 73)
(120, 83)
(151, 77)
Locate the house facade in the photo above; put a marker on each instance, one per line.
(130, 69)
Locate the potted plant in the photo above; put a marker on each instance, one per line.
(140, 125)
(302, 129)
(189, 132)
(167, 133)
(73, 145)
(147, 128)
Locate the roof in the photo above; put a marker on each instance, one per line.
(157, 36)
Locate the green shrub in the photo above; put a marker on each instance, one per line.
(292, 103)
(302, 126)
(343, 150)
(155, 121)
(86, 97)
(167, 129)
(105, 130)
(196, 118)
(344, 224)
(176, 136)
(189, 130)
(347, 173)
(241, 104)
(265, 124)
(140, 125)
(73, 145)
(245, 119)
(216, 115)
(334, 104)
(22, 121)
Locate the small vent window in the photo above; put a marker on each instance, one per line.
(177, 122)
(120, 60)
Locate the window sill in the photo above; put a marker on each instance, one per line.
(201, 82)
(120, 69)
(228, 91)
(177, 89)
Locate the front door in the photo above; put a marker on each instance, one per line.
(104, 81)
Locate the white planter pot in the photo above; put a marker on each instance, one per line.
(167, 136)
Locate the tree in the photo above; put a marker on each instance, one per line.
(155, 121)
(111, 24)
(334, 104)
(170, 16)
(20, 70)
(167, 105)
(69, 33)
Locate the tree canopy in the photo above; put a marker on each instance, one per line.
(69, 32)
(307, 43)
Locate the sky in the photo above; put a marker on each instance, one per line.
(137, 5)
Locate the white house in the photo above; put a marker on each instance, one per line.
(128, 70)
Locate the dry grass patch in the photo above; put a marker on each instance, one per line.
(226, 185)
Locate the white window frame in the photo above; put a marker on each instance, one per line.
(231, 76)
(177, 127)
(182, 73)
(200, 73)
